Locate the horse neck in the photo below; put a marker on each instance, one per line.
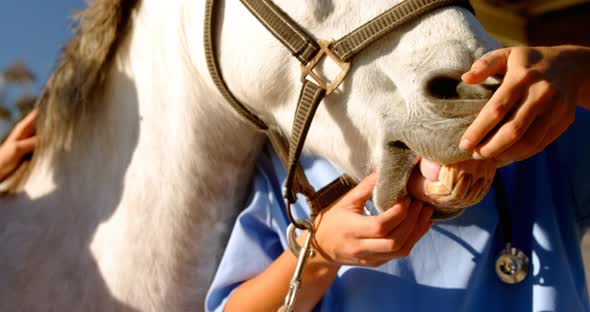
(158, 174)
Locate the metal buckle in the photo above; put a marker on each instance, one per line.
(292, 237)
(307, 69)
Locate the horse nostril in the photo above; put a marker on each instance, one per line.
(397, 145)
(449, 88)
(443, 87)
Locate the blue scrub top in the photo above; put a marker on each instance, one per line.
(452, 267)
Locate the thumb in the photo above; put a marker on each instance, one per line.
(359, 195)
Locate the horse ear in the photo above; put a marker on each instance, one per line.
(16, 181)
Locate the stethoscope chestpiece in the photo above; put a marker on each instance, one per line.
(512, 266)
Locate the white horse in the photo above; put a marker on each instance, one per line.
(143, 166)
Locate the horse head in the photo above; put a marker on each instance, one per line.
(402, 99)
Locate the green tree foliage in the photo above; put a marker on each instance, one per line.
(16, 98)
(18, 73)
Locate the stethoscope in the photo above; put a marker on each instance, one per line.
(512, 265)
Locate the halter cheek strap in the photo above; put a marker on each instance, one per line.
(310, 52)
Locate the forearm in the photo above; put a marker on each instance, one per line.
(366, 241)
(270, 287)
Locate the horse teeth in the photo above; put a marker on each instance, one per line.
(437, 188)
(461, 185)
(449, 175)
(461, 189)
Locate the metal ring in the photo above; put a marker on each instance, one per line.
(292, 237)
(297, 223)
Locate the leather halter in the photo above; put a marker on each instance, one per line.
(310, 52)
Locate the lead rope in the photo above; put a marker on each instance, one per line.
(309, 52)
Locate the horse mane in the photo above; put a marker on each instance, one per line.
(82, 68)
(81, 72)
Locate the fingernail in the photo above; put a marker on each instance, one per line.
(466, 145)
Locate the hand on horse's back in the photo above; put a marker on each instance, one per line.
(21, 141)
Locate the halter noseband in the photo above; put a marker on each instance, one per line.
(310, 52)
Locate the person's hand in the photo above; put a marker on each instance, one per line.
(344, 236)
(21, 141)
(535, 103)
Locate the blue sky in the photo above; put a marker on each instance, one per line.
(34, 32)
